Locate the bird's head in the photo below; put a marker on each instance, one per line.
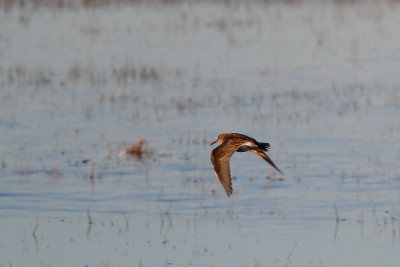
(220, 139)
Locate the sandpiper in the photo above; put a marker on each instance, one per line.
(231, 143)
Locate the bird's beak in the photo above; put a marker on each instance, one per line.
(213, 142)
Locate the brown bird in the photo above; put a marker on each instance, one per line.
(231, 143)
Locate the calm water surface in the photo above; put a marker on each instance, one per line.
(319, 81)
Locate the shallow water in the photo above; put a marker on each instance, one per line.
(318, 81)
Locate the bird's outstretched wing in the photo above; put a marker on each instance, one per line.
(266, 158)
(220, 161)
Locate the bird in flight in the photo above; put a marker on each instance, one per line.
(231, 143)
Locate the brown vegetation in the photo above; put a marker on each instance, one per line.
(7, 4)
(138, 150)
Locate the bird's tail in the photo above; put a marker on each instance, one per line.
(267, 159)
(264, 146)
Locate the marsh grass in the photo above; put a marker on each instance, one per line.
(8, 4)
(23, 75)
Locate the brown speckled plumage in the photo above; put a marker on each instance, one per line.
(231, 143)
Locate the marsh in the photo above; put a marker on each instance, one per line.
(81, 83)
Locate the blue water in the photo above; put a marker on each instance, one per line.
(316, 80)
